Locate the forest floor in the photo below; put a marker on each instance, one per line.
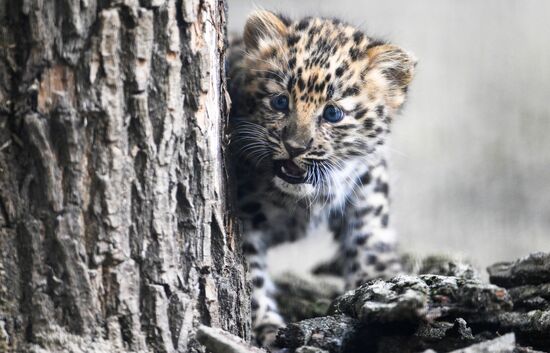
(440, 306)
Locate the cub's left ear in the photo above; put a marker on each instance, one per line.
(396, 66)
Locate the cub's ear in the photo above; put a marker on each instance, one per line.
(395, 65)
(263, 25)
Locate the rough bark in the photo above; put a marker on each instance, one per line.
(114, 230)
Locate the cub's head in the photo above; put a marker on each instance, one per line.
(316, 98)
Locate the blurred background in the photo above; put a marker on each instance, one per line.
(470, 155)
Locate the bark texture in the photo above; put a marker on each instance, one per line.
(114, 230)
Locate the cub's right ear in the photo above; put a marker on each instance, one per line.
(263, 26)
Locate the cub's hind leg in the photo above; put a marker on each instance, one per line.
(266, 223)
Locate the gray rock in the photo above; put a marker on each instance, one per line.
(531, 297)
(503, 344)
(533, 269)
(330, 333)
(437, 335)
(219, 341)
(439, 265)
(415, 298)
(448, 310)
(302, 298)
(310, 349)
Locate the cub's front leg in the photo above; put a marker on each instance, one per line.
(367, 244)
(266, 319)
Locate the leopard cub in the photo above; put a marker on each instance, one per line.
(313, 102)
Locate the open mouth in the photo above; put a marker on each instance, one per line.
(287, 170)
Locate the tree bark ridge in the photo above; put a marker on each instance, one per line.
(115, 234)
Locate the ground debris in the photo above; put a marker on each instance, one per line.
(410, 299)
(448, 311)
(331, 333)
(220, 341)
(444, 306)
(504, 344)
(532, 269)
(302, 298)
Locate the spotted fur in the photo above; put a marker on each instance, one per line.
(315, 62)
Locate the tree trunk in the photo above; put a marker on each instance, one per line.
(115, 234)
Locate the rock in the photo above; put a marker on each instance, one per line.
(219, 341)
(438, 335)
(531, 328)
(330, 333)
(439, 265)
(533, 269)
(503, 344)
(412, 299)
(309, 349)
(531, 297)
(302, 298)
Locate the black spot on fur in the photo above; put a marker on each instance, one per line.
(303, 24)
(290, 83)
(292, 63)
(301, 84)
(369, 123)
(380, 110)
(380, 267)
(351, 253)
(254, 265)
(351, 91)
(365, 178)
(360, 213)
(361, 239)
(375, 43)
(382, 187)
(330, 91)
(385, 220)
(284, 19)
(249, 248)
(358, 37)
(371, 259)
(361, 113)
(258, 281)
(251, 207)
(292, 40)
(378, 210)
(356, 54)
(258, 220)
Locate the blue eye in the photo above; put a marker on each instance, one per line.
(333, 114)
(280, 103)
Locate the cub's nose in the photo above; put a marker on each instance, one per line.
(295, 149)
